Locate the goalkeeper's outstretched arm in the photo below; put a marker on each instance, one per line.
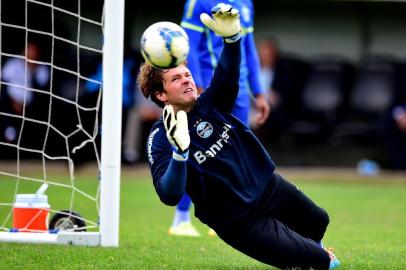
(172, 184)
(223, 89)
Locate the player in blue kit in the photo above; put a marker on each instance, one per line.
(200, 148)
(206, 49)
(202, 60)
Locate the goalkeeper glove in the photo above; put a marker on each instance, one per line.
(177, 132)
(225, 21)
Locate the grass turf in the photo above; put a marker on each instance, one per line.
(367, 230)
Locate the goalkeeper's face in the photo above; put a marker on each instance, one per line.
(179, 88)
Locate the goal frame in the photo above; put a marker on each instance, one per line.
(108, 235)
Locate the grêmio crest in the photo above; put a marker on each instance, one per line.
(204, 129)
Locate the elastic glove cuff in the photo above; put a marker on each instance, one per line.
(233, 38)
(178, 156)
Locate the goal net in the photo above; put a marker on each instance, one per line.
(57, 111)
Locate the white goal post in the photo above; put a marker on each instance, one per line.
(111, 139)
(107, 196)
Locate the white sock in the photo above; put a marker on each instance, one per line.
(180, 216)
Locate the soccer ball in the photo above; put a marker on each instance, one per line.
(164, 45)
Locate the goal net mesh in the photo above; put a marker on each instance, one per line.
(50, 96)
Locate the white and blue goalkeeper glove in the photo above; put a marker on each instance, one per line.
(225, 21)
(177, 132)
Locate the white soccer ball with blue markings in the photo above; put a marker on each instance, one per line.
(164, 45)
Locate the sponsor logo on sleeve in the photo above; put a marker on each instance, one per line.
(149, 145)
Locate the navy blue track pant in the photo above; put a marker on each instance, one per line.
(284, 232)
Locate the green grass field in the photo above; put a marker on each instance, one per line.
(367, 230)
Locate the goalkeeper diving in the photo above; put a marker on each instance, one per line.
(198, 147)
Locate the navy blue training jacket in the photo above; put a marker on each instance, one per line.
(228, 171)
